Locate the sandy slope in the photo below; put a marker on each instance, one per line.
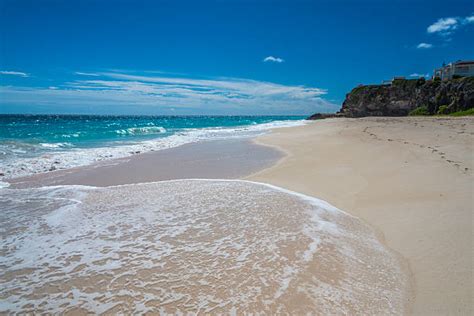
(410, 178)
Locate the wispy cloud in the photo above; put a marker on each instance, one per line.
(217, 86)
(424, 46)
(443, 26)
(14, 73)
(161, 93)
(273, 59)
(79, 73)
(446, 26)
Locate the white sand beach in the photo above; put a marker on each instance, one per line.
(409, 178)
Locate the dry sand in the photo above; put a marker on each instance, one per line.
(410, 178)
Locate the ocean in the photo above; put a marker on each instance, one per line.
(32, 144)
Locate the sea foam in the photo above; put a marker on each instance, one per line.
(65, 155)
(146, 130)
(190, 246)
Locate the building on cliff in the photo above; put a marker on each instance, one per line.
(460, 68)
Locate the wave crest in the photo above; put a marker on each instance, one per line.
(55, 145)
(145, 130)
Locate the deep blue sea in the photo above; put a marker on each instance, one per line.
(38, 143)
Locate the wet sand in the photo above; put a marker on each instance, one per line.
(200, 247)
(409, 178)
(224, 159)
(197, 246)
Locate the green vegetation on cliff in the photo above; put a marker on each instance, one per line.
(443, 111)
(410, 97)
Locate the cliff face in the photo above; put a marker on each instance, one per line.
(403, 96)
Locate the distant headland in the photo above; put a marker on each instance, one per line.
(450, 91)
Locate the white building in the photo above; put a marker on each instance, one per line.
(461, 68)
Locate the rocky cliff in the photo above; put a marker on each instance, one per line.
(403, 96)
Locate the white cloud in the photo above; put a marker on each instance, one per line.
(244, 87)
(424, 46)
(417, 75)
(469, 19)
(86, 74)
(443, 26)
(14, 73)
(273, 59)
(160, 94)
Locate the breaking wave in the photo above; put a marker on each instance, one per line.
(147, 130)
(15, 160)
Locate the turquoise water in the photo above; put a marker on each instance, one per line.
(89, 130)
(37, 143)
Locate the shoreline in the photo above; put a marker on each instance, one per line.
(214, 159)
(408, 178)
(333, 160)
(403, 262)
(61, 154)
(311, 259)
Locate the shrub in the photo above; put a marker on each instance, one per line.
(358, 89)
(422, 110)
(443, 109)
(463, 113)
(421, 81)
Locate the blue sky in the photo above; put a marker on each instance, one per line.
(217, 57)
